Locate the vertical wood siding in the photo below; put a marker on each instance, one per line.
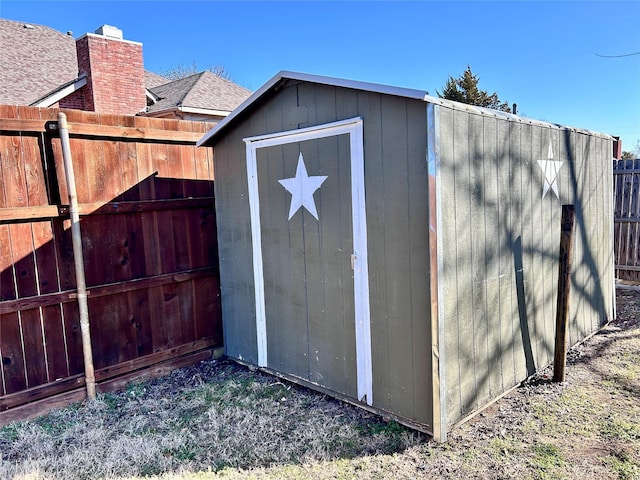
(501, 246)
(397, 224)
(151, 269)
(396, 181)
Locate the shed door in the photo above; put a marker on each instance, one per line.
(306, 193)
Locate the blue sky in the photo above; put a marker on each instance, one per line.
(541, 55)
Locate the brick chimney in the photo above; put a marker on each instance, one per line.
(617, 148)
(114, 71)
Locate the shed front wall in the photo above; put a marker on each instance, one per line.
(397, 228)
(500, 243)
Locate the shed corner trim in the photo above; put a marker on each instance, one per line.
(438, 385)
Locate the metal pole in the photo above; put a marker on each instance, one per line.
(90, 379)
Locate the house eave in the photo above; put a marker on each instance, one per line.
(206, 111)
(151, 96)
(54, 97)
(189, 110)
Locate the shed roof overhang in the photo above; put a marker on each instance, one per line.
(306, 77)
(272, 84)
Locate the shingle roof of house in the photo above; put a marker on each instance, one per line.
(34, 60)
(152, 80)
(201, 90)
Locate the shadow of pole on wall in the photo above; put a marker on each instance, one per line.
(589, 287)
(522, 306)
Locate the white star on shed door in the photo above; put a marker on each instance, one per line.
(550, 168)
(302, 187)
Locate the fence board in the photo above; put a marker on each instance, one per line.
(52, 328)
(149, 242)
(73, 338)
(104, 131)
(626, 181)
(21, 187)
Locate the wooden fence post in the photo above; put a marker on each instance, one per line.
(564, 287)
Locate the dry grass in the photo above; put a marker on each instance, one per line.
(219, 420)
(211, 416)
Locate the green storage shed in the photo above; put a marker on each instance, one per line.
(400, 251)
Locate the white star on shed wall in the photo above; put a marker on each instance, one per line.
(302, 187)
(550, 168)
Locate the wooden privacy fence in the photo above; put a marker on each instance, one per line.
(626, 180)
(149, 247)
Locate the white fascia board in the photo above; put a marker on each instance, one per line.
(306, 77)
(58, 95)
(357, 85)
(205, 111)
(151, 96)
(243, 106)
(190, 110)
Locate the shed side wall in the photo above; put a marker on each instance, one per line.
(501, 238)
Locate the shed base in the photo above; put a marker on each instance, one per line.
(385, 414)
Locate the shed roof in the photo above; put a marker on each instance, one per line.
(423, 95)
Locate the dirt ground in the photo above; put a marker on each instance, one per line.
(586, 427)
(219, 420)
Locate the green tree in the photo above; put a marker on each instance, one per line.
(465, 89)
(633, 153)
